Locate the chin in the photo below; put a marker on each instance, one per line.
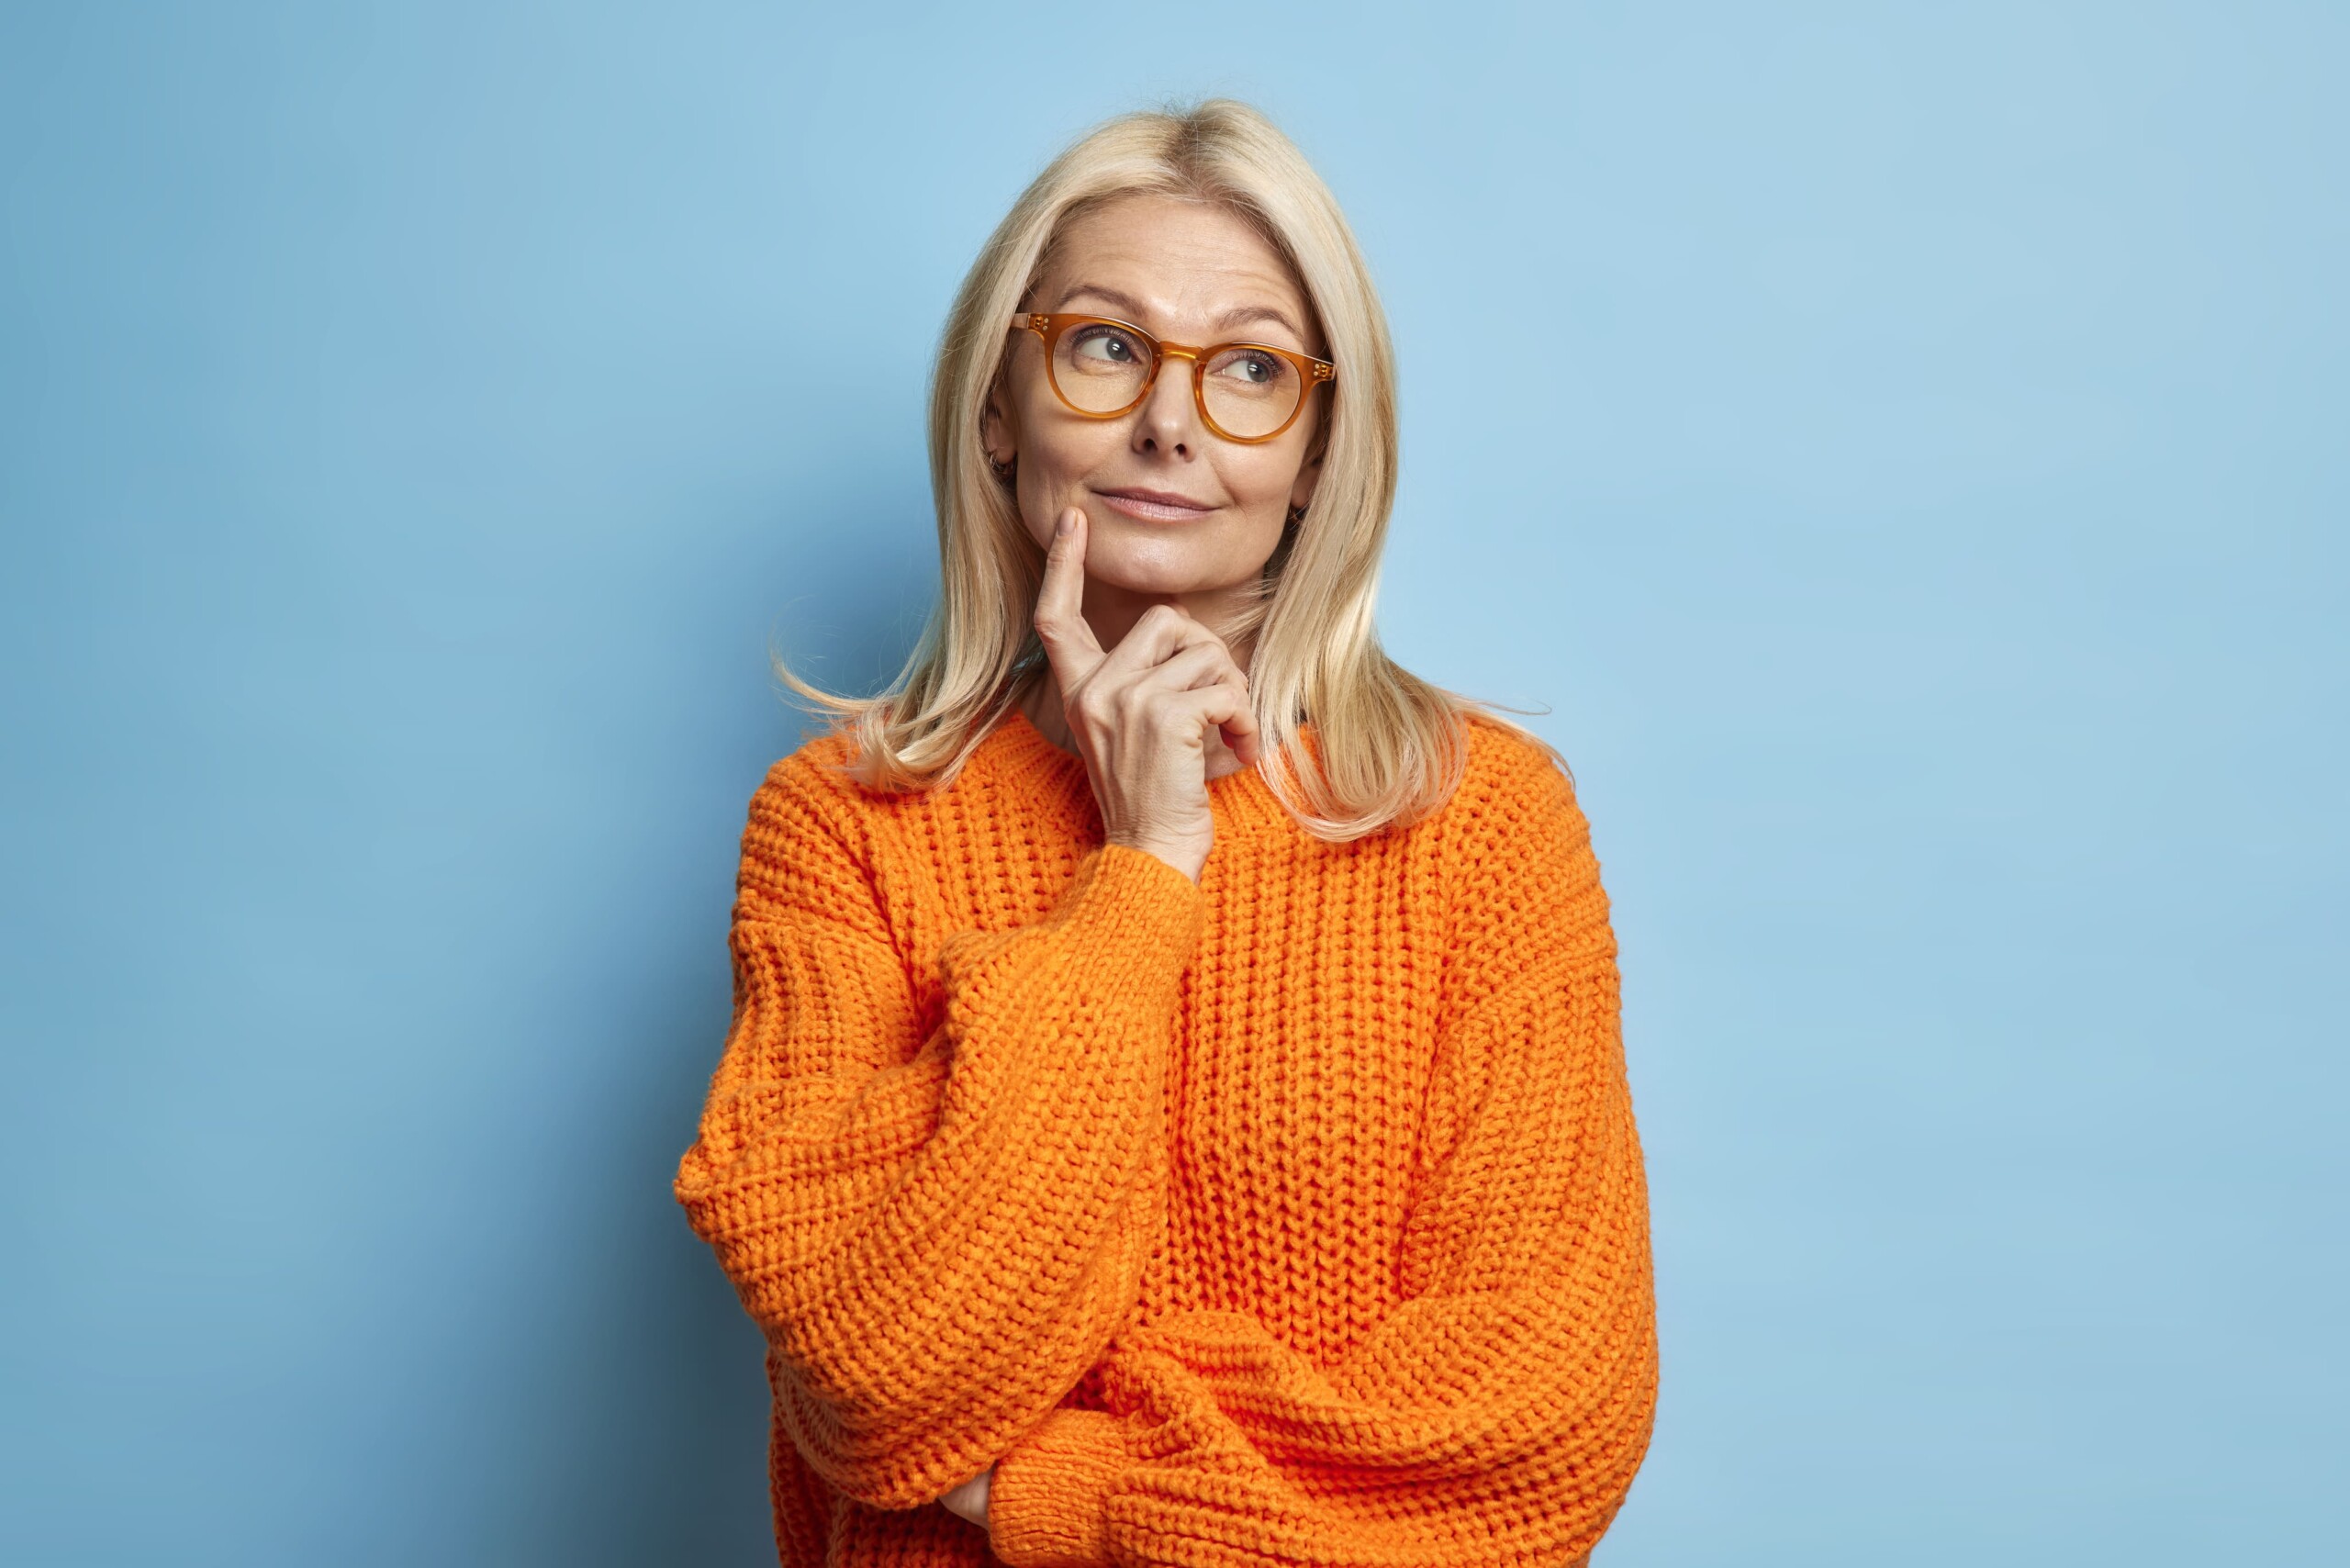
(1166, 569)
(1134, 558)
(1150, 579)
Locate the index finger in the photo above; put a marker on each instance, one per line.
(1061, 620)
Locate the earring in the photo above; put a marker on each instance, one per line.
(1005, 468)
(1296, 516)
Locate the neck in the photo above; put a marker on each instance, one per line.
(1111, 612)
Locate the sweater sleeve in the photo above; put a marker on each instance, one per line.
(1495, 1417)
(937, 1215)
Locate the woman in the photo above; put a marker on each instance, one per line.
(1174, 1110)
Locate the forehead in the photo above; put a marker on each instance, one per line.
(1189, 265)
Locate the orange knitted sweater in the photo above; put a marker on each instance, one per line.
(1296, 1216)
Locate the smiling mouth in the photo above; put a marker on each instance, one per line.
(1156, 506)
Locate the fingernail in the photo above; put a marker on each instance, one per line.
(1068, 523)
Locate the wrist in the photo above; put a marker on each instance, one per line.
(1191, 863)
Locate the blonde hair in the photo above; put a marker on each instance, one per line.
(1392, 746)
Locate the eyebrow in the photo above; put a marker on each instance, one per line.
(1223, 323)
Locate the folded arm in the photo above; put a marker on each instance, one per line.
(937, 1222)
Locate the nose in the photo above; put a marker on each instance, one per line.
(1168, 421)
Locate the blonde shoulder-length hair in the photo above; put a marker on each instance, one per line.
(1353, 742)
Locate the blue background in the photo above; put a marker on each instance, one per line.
(1902, 446)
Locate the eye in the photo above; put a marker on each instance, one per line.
(1105, 346)
(1250, 368)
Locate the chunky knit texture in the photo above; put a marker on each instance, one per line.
(1293, 1217)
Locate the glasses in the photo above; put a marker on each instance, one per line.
(1102, 368)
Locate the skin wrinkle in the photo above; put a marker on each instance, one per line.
(1125, 304)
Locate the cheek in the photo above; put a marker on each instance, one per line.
(1061, 448)
(1262, 480)
(1057, 454)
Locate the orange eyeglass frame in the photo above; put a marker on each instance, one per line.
(1049, 328)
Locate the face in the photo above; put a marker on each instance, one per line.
(1172, 509)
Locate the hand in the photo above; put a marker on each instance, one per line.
(970, 1500)
(1141, 713)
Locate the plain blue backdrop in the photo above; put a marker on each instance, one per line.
(1901, 447)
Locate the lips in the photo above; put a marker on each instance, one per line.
(1154, 506)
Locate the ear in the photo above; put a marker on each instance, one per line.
(999, 431)
(1301, 494)
(1309, 473)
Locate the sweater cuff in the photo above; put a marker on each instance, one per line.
(1047, 1504)
(1126, 896)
